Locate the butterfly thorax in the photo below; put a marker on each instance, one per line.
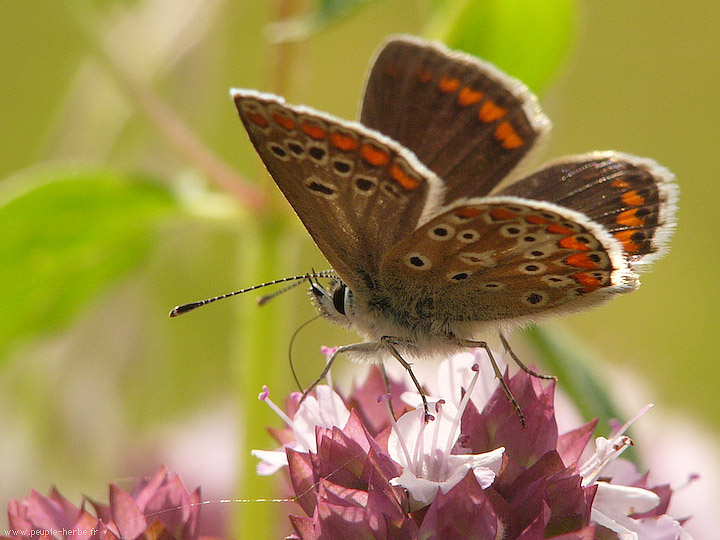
(419, 319)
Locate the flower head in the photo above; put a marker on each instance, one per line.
(473, 472)
(159, 507)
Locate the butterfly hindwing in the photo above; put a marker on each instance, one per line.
(633, 198)
(505, 258)
(356, 191)
(464, 119)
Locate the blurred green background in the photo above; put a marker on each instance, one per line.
(111, 213)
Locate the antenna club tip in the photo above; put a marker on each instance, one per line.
(184, 308)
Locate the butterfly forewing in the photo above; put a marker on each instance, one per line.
(357, 192)
(633, 198)
(465, 120)
(503, 258)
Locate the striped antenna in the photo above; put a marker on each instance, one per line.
(184, 308)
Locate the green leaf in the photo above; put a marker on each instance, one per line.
(526, 38)
(571, 364)
(66, 236)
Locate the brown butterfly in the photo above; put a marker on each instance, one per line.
(431, 247)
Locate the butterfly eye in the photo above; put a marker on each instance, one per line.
(339, 298)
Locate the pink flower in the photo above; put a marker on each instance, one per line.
(160, 507)
(473, 472)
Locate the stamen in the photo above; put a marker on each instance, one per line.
(385, 398)
(436, 467)
(265, 396)
(461, 410)
(611, 449)
(419, 461)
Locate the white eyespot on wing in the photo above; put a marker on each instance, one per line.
(319, 187)
(278, 150)
(442, 232)
(468, 236)
(513, 230)
(532, 268)
(296, 148)
(364, 185)
(342, 167)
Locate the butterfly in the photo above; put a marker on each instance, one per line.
(418, 209)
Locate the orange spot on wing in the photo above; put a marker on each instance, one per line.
(569, 242)
(633, 198)
(374, 155)
(502, 214)
(507, 136)
(258, 119)
(559, 229)
(535, 219)
(424, 74)
(468, 212)
(589, 282)
(284, 121)
(581, 260)
(448, 84)
(629, 218)
(343, 142)
(468, 96)
(313, 131)
(401, 177)
(491, 111)
(625, 238)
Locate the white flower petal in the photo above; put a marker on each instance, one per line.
(421, 491)
(271, 461)
(624, 500)
(326, 410)
(490, 460)
(484, 476)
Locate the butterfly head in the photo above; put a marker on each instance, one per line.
(335, 302)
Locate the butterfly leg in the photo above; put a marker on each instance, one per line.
(386, 380)
(498, 374)
(355, 347)
(522, 366)
(390, 344)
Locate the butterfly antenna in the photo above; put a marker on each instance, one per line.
(184, 308)
(264, 299)
(290, 347)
